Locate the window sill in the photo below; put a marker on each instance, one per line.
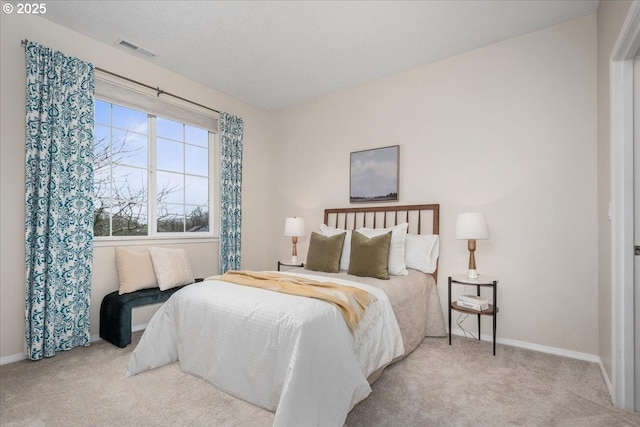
(100, 242)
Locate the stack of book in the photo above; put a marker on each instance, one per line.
(473, 302)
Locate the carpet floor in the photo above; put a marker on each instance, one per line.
(437, 385)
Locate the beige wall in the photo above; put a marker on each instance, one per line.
(204, 256)
(510, 130)
(611, 15)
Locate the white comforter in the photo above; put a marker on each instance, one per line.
(289, 354)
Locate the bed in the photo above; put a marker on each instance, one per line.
(297, 356)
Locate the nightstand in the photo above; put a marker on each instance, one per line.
(481, 282)
(289, 264)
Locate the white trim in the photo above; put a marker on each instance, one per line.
(135, 328)
(147, 240)
(605, 377)
(622, 275)
(13, 358)
(514, 343)
(537, 347)
(93, 338)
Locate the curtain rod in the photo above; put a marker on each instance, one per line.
(157, 89)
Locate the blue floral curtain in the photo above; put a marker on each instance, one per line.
(231, 128)
(59, 201)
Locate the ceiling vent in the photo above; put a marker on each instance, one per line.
(132, 47)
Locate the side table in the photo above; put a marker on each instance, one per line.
(480, 282)
(289, 264)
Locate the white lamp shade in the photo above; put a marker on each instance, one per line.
(294, 227)
(472, 226)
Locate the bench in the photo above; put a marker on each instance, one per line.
(115, 312)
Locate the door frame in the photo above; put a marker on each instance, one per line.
(622, 258)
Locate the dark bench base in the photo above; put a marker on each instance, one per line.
(115, 312)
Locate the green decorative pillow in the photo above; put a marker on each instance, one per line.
(324, 252)
(370, 256)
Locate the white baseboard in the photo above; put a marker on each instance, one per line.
(514, 343)
(607, 381)
(93, 338)
(537, 347)
(137, 328)
(551, 350)
(13, 358)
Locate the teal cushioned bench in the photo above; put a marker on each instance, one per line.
(115, 312)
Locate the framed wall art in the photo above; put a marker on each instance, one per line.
(374, 175)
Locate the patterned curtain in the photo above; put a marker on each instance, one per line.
(231, 128)
(59, 201)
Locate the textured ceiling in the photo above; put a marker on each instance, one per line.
(273, 54)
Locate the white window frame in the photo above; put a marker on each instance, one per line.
(111, 89)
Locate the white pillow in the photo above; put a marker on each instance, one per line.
(421, 252)
(172, 267)
(346, 246)
(397, 265)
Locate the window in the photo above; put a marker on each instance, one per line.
(152, 175)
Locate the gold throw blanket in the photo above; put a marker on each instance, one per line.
(351, 301)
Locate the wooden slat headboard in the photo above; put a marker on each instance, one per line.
(422, 219)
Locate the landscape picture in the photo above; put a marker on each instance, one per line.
(374, 175)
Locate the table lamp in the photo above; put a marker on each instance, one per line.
(294, 227)
(472, 226)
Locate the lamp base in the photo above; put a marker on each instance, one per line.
(472, 274)
(294, 259)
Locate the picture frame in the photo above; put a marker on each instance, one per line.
(374, 175)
